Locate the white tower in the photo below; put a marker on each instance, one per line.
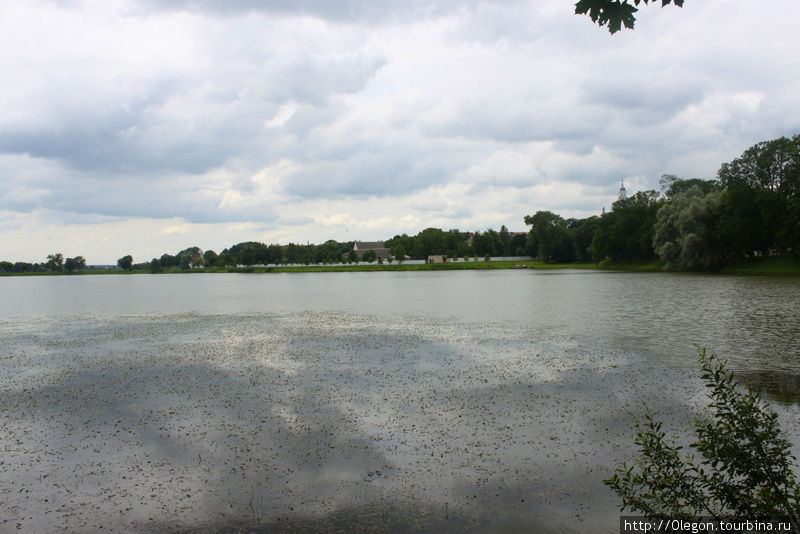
(622, 193)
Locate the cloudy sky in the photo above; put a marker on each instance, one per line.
(144, 127)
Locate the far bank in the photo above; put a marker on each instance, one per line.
(776, 265)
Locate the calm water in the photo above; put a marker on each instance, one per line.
(752, 320)
(488, 400)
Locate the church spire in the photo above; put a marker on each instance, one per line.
(622, 193)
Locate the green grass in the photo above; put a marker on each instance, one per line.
(641, 266)
(77, 273)
(755, 266)
(450, 266)
(780, 265)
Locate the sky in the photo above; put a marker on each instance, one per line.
(144, 127)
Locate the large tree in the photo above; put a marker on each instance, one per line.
(685, 230)
(626, 233)
(615, 13)
(125, 262)
(549, 237)
(55, 262)
(764, 184)
(74, 264)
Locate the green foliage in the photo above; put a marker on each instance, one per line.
(155, 266)
(186, 262)
(763, 186)
(125, 262)
(582, 233)
(210, 258)
(676, 186)
(78, 263)
(55, 262)
(549, 237)
(626, 232)
(504, 241)
(428, 242)
(745, 466)
(685, 230)
(614, 13)
(369, 256)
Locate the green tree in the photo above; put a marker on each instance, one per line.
(155, 266)
(167, 261)
(626, 232)
(352, 256)
(186, 262)
(765, 179)
(685, 230)
(77, 263)
(125, 262)
(582, 233)
(745, 466)
(55, 262)
(399, 252)
(429, 241)
(210, 258)
(369, 256)
(550, 237)
(225, 259)
(504, 239)
(614, 13)
(677, 185)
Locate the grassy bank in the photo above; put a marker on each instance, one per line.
(83, 272)
(776, 265)
(754, 266)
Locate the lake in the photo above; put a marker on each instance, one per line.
(428, 401)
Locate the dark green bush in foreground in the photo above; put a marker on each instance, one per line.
(744, 467)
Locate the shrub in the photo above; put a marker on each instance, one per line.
(745, 466)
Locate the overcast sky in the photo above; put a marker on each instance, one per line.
(146, 127)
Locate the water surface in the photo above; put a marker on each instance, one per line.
(422, 400)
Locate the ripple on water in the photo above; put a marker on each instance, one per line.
(197, 421)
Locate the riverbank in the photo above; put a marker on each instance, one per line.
(751, 266)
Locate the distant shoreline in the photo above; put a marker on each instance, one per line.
(755, 266)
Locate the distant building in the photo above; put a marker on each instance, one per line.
(435, 259)
(622, 193)
(381, 252)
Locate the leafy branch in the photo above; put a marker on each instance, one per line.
(745, 466)
(614, 13)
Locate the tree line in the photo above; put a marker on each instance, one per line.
(55, 263)
(451, 243)
(751, 209)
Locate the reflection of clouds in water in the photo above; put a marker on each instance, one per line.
(187, 420)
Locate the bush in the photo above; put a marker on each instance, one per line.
(745, 468)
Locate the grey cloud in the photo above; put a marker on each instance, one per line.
(166, 197)
(144, 136)
(497, 122)
(646, 99)
(372, 171)
(338, 11)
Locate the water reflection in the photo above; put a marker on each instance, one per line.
(776, 386)
(225, 400)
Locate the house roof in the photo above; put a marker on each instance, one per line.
(368, 245)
